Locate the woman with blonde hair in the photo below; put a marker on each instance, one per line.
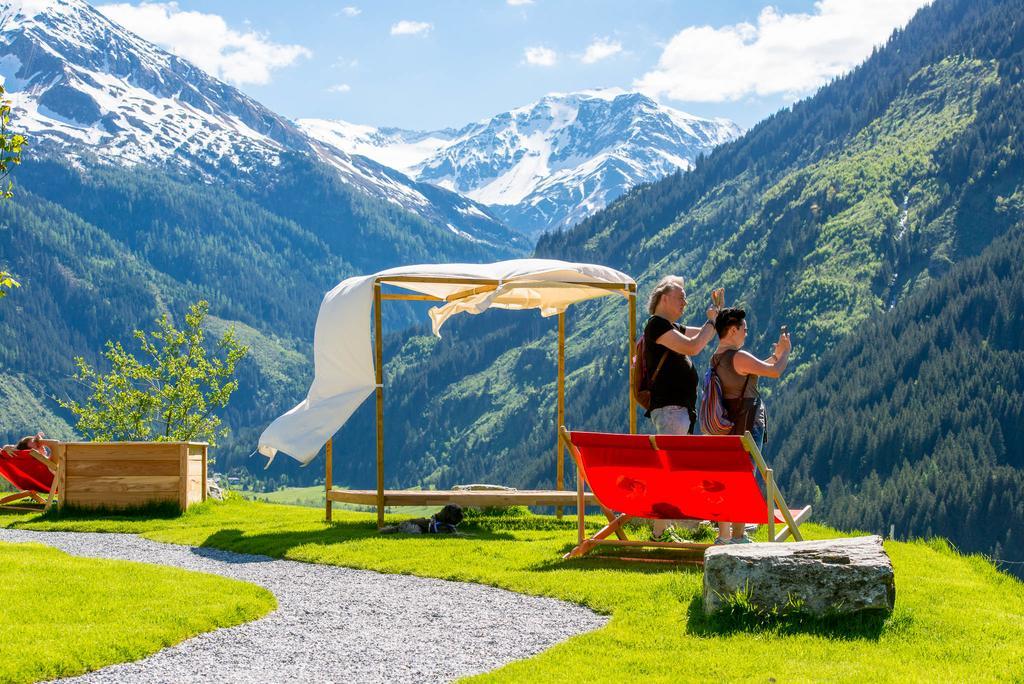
(668, 347)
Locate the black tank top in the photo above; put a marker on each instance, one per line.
(676, 384)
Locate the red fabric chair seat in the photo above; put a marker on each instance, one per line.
(689, 476)
(26, 472)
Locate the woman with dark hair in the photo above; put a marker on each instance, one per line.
(738, 371)
(34, 442)
(669, 346)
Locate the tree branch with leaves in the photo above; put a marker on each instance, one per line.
(169, 393)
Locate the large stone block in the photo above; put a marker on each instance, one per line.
(827, 576)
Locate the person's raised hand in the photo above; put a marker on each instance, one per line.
(712, 313)
(718, 297)
(783, 345)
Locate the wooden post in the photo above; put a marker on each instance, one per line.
(61, 450)
(379, 363)
(769, 490)
(560, 419)
(780, 501)
(581, 506)
(629, 358)
(205, 456)
(183, 475)
(328, 484)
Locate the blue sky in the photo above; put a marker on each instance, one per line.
(428, 65)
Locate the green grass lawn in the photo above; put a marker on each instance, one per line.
(312, 497)
(62, 616)
(956, 617)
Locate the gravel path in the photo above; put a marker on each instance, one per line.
(335, 624)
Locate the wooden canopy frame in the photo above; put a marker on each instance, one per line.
(557, 497)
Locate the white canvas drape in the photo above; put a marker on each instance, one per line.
(343, 358)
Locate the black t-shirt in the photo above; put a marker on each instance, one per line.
(676, 384)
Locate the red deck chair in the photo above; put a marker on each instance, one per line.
(32, 475)
(674, 477)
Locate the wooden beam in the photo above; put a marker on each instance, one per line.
(205, 457)
(800, 516)
(443, 280)
(61, 451)
(566, 441)
(448, 280)
(690, 546)
(581, 506)
(469, 293)
(328, 478)
(755, 453)
(379, 353)
(411, 297)
(560, 418)
(182, 477)
(630, 402)
(472, 498)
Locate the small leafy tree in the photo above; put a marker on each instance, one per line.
(168, 395)
(10, 155)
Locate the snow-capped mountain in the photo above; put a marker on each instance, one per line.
(83, 86)
(548, 164)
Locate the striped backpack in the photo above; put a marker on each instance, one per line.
(714, 419)
(714, 416)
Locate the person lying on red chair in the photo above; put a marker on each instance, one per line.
(33, 442)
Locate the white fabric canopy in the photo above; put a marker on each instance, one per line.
(343, 360)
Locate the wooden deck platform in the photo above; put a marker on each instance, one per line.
(475, 498)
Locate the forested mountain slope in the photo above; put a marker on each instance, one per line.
(103, 250)
(823, 217)
(914, 419)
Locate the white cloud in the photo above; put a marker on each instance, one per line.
(410, 28)
(345, 63)
(351, 11)
(601, 48)
(540, 56)
(339, 88)
(788, 54)
(206, 40)
(516, 3)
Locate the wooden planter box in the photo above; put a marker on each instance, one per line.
(126, 474)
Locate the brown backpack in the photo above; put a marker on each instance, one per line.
(642, 384)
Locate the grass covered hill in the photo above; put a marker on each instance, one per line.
(956, 617)
(824, 217)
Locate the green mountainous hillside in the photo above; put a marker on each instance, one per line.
(104, 250)
(825, 217)
(913, 420)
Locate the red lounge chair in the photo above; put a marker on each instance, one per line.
(31, 474)
(674, 477)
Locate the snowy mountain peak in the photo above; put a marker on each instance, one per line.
(548, 164)
(81, 85)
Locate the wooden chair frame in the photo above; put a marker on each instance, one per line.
(616, 521)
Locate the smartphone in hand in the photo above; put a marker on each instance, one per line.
(785, 330)
(718, 297)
